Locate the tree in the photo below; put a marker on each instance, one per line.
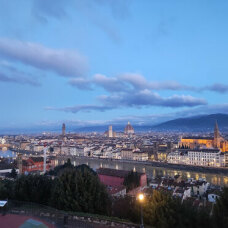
(79, 189)
(220, 212)
(162, 210)
(13, 173)
(132, 180)
(33, 188)
(126, 208)
(59, 169)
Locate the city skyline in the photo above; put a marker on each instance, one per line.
(111, 61)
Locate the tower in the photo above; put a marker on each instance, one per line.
(64, 129)
(110, 133)
(216, 136)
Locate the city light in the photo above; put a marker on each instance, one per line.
(141, 197)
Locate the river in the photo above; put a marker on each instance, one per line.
(94, 163)
(7, 154)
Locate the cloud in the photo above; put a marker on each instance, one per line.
(17, 78)
(92, 10)
(132, 90)
(219, 88)
(13, 75)
(110, 84)
(141, 99)
(134, 82)
(127, 82)
(81, 108)
(63, 62)
(119, 8)
(42, 9)
(81, 83)
(149, 98)
(46, 8)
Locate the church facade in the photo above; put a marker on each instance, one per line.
(209, 142)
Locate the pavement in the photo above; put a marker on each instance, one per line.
(20, 221)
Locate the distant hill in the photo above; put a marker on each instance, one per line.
(200, 123)
(195, 123)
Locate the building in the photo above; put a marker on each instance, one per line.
(129, 129)
(36, 164)
(206, 157)
(178, 157)
(140, 156)
(127, 154)
(63, 129)
(113, 177)
(110, 133)
(117, 191)
(199, 157)
(209, 142)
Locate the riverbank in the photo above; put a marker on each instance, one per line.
(211, 170)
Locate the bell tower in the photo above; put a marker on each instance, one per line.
(63, 129)
(216, 136)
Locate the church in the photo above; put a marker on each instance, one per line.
(209, 142)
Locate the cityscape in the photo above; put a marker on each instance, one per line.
(114, 113)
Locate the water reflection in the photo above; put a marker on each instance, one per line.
(216, 179)
(7, 154)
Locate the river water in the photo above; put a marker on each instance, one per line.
(7, 154)
(215, 179)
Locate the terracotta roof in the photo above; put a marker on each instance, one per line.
(128, 128)
(197, 137)
(115, 189)
(114, 172)
(37, 159)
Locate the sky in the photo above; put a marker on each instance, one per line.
(92, 62)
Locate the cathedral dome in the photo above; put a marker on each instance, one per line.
(129, 129)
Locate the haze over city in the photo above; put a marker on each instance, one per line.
(94, 61)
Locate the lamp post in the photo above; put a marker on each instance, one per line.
(141, 199)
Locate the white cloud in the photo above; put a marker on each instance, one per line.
(64, 62)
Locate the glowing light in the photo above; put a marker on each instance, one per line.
(141, 197)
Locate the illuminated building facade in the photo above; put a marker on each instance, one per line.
(110, 133)
(209, 142)
(201, 157)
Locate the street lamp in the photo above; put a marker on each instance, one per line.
(141, 199)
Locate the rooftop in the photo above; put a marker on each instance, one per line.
(114, 172)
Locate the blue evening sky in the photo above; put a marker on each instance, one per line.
(87, 62)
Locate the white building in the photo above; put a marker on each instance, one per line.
(206, 157)
(140, 156)
(213, 197)
(178, 157)
(199, 157)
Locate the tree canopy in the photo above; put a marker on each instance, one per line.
(132, 180)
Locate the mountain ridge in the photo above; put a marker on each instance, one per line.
(195, 123)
